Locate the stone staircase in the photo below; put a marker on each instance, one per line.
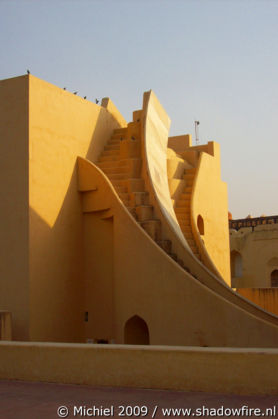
(121, 162)
(182, 211)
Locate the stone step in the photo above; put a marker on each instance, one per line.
(182, 203)
(184, 223)
(114, 141)
(182, 210)
(115, 170)
(118, 176)
(189, 237)
(144, 212)
(112, 147)
(185, 196)
(194, 248)
(188, 176)
(115, 153)
(120, 189)
(126, 203)
(135, 185)
(119, 183)
(191, 242)
(119, 131)
(124, 163)
(119, 137)
(108, 164)
(152, 228)
(131, 185)
(123, 195)
(106, 158)
(187, 231)
(191, 171)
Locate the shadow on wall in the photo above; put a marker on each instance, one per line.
(98, 141)
(56, 253)
(236, 264)
(56, 280)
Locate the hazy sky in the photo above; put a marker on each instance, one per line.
(215, 61)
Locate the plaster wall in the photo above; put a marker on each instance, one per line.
(175, 172)
(62, 126)
(180, 143)
(14, 267)
(210, 201)
(172, 368)
(267, 298)
(259, 252)
(154, 125)
(149, 284)
(99, 273)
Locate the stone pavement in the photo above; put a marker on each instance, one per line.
(33, 400)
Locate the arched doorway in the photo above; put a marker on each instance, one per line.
(200, 224)
(274, 278)
(236, 264)
(136, 332)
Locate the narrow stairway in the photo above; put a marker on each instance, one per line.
(121, 162)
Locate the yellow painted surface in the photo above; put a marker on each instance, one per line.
(267, 298)
(176, 166)
(228, 371)
(14, 211)
(259, 253)
(180, 143)
(156, 127)
(41, 237)
(62, 126)
(159, 291)
(84, 264)
(210, 201)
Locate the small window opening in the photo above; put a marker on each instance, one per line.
(200, 225)
(236, 264)
(274, 278)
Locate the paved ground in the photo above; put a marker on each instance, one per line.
(26, 400)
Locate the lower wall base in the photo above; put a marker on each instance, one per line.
(267, 298)
(240, 371)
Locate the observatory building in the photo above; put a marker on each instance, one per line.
(113, 232)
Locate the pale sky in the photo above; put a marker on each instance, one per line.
(214, 61)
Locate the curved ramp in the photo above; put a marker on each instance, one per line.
(148, 283)
(155, 137)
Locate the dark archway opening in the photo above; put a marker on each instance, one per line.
(236, 264)
(274, 278)
(136, 332)
(200, 224)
